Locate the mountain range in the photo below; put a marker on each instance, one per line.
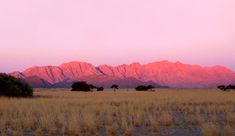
(159, 74)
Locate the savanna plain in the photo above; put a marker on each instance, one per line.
(164, 112)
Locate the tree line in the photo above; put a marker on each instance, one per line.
(13, 87)
(84, 86)
(226, 88)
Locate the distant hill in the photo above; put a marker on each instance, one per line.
(159, 74)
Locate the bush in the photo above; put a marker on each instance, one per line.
(222, 87)
(115, 87)
(144, 88)
(141, 88)
(100, 89)
(13, 87)
(226, 88)
(92, 86)
(81, 86)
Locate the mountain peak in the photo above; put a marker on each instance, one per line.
(75, 63)
(165, 73)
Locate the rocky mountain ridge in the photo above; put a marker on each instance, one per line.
(162, 73)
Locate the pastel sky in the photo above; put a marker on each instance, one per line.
(43, 32)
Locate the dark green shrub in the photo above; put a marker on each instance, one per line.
(222, 87)
(115, 87)
(13, 87)
(150, 87)
(141, 88)
(92, 86)
(144, 88)
(226, 88)
(81, 86)
(100, 89)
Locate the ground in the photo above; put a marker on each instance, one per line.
(165, 112)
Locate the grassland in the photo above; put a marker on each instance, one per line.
(125, 112)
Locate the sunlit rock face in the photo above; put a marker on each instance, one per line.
(163, 73)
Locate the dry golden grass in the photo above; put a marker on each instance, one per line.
(112, 130)
(210, 129)
(128, 131)
(154, 125)
(228, 131)
(166, 119)
(61, 112)
(230, 118)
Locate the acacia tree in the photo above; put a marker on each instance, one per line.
(144, 88)
(115, 87)
(100, 88)
(150, 87)
(226, 88)
(81, 86)
(141, 88)
(92, 86)
(222, 87)
(13, 87)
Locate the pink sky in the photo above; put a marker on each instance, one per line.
(42, 32)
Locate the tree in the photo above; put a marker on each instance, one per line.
(92, 86)
(222, 87)
(150, 87)
(230, 87)
(141, 88)
(115, 87)
(81, 86)
(13, 87)
(226, 88)
(144, 88)
(100, 88)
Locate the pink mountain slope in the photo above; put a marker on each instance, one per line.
(176, 75)
(37, 82)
